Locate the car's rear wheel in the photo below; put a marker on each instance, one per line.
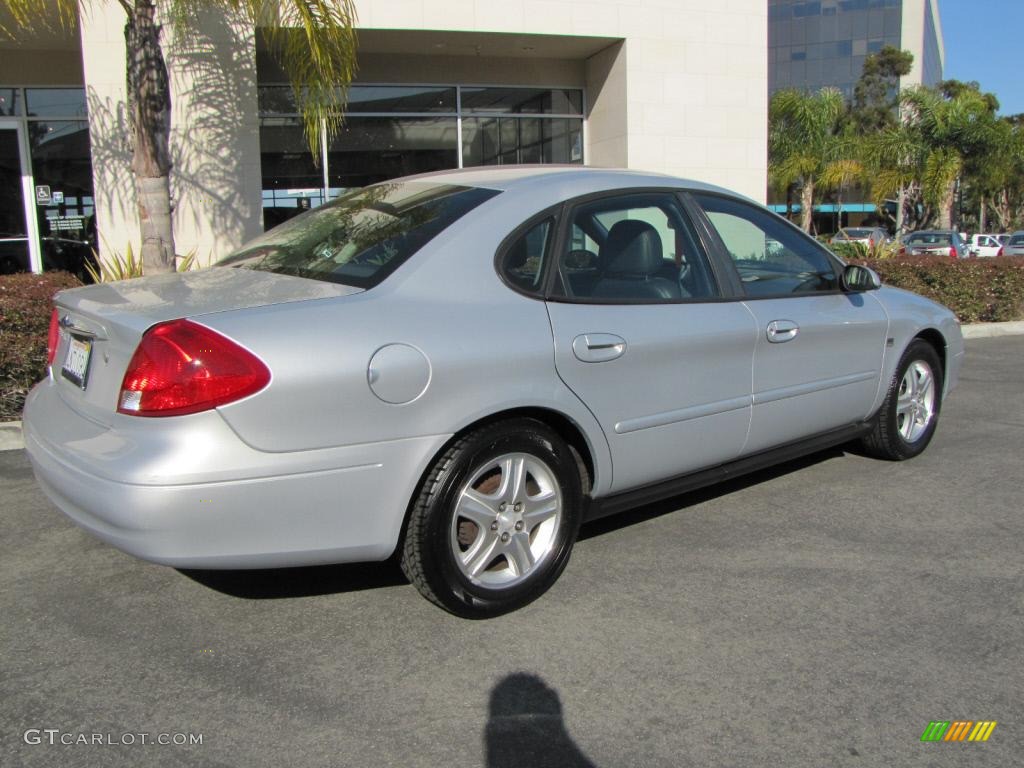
(495, 519)
(910, 413)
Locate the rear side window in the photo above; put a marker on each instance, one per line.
(772, 258)
(1017, 240)
(362, 237)
(522, 264)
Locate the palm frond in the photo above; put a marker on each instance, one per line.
(32, 16)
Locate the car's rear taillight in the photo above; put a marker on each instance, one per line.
(1000, 252)
(52, 337)
(182, 367)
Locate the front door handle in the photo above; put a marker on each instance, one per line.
(598, 347)
(782, 330)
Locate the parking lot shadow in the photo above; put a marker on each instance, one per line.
(525, 727)
(659, 508)
(278, 583)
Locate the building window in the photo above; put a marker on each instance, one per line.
(399, 130)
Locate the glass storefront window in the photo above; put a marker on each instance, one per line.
(56, 102)
(542, 101)
(61, 161)
(280, 100)
(292, 182)
(399, 130)
(511, 140)
(10, 102)
(400, 98)
(372, 149)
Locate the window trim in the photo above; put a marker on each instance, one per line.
(724, 256)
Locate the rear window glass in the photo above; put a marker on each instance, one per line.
(1017, 240)
(362, 237)
(930, 239)
(858, 232)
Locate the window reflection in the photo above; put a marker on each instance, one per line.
(372, 149)
(503, 141)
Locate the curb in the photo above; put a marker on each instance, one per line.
(10, 436)
(992, 330)
(11, 439)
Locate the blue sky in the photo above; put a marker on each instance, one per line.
(983, 43)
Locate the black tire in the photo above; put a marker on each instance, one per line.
(432, 554)
(886, 440)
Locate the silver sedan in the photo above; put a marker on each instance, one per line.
(461, 368)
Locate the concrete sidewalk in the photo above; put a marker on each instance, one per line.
(10, 431)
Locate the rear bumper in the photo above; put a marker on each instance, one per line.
(187, 492)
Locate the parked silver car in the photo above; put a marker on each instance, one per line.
(867, 236)
(462, 367)
(935, 242)
(1015, 245)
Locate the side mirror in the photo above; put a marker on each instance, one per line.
(857, 279)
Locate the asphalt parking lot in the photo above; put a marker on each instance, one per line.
(819, 614)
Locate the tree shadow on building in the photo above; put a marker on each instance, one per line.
(525, 727)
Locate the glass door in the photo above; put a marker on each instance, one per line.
(19, 240)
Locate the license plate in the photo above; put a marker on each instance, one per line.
(76, 364)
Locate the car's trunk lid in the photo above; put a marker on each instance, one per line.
(101, 325)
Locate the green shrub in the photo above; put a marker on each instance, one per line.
(977, 290)
(25, 306)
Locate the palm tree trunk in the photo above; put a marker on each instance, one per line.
(946, 207)
(981, 215)
(149, 96)
(900, 204)
(806, 205)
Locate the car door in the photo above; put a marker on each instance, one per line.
(643, 338)
(818, 356)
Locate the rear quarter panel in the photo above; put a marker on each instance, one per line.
(489, 350)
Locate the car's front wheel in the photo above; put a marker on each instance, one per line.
(495, 519)
(910, 413)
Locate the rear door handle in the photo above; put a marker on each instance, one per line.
(598, 347)
(782, 330)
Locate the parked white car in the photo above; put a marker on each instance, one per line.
(985, 245)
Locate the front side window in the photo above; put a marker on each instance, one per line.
(772, 258)
(362, 237)
(634, 248)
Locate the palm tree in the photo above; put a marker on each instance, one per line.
(314, 41)
(947, 130)
(895, 159)
(802, 139)
(997, 176)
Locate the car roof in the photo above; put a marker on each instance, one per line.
(575, 179)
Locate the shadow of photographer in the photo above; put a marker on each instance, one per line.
(525, 727)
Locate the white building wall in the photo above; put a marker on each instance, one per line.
(215, 178)
(912, 37)
(690, 78)
(681, 89)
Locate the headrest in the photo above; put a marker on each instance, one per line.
(633, 247)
